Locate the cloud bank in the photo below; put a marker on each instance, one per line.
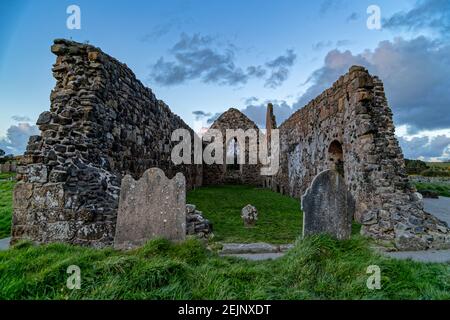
(17, 136)
(426, 148)
(198, 57)
(416, 77)
(427, 14)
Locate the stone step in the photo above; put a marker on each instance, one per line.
(4, 243)
(256, 256)
(441, 256)
(260, 247)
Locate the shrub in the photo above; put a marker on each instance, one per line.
(415, 166)
(435, 173)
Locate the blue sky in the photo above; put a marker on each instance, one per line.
(203, 57)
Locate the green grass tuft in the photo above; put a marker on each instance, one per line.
(7, 175)
(443, 189)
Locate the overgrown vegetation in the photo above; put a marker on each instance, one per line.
(435, 172)
(415, 166)
(7, 175)
(427, 169)
(279, 216)
(317, 268)
(443, 189)
(442, 165)
(6, 188)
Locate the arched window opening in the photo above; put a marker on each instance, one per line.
(233, 155)
(336, 156)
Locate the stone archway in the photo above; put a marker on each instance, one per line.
(336, 156)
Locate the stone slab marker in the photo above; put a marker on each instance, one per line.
(328, 207)
(152, 207)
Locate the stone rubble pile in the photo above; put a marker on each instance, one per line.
(196, 224)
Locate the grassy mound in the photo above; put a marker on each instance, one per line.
(279, 216)
(317, 268)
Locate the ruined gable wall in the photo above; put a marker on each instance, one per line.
(102, 124)
(354, 112)
(218, 174)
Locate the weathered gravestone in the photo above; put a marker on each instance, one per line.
(328, 207)
(249, 214)
(151, 207)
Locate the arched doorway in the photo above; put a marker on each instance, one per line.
(336, 156)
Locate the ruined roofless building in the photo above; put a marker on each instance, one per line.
(103, 123)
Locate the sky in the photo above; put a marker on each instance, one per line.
(203, 57)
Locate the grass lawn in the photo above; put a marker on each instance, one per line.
(6, 188)
(6, 175)
(442, 188)
(279, 217)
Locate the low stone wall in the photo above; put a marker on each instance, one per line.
(8, 167)
(437, 180)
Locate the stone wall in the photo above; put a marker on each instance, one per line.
(102, 124)
(246, 173)
(8, 164)
(349, 127)
(8, 167)
(422, 179)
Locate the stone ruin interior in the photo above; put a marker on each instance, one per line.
(104, 124)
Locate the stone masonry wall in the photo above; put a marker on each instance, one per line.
(102, 124)
(354, 114)
(217, 174)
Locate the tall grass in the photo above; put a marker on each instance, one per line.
(317, 268)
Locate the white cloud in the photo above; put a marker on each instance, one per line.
(17, 137)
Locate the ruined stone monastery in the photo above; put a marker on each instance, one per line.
(103, 123)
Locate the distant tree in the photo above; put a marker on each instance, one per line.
(433, 172)
(2, 153)
(415, 166)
